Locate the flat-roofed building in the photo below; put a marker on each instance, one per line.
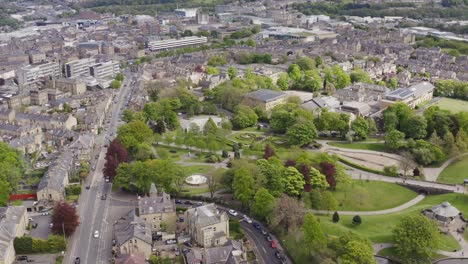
(412, 96)
(39, 97)
(35, 72)
(176, 43)
(79, 67)
(106, 69)
(265, 99)
(74, 86)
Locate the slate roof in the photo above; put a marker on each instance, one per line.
(445, 209)
(265, 95)
(9, 220)
(135, 258)
(223, 254)
(54, 177)
(155, 203)
(205, 215)
(131, 226)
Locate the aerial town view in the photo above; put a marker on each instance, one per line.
(234, 131)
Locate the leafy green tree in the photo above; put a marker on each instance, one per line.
(273, 170)
(212, 70)
(416, 238)
(393, 139)
(360, 126)
(312, 81)
(305, 63)
(396, 115)
(414, 127)
(301, 134)
(244, 117)
(133, 134)
(242, 185)
(294, 181)
(318, 61)
(337, 77)
(357, 220)
(317, 179)
(216, 61)
(295, 72)
(336, 217)
(392, 83)
(357, 252)
(115, 84)
(314, 237)
(263, 203)
(250, 42)
(119, 77)
(11, 169)
(283, 81)
(232, 72)
(359, 75)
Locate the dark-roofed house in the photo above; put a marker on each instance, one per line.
(13, 223)
(412, 96)
(232, 252)
(158, 209)
(207, 225)
(132, 235)
(53, 183)
(136, 258)
(265, 99)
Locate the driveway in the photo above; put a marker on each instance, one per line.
(39, 258)
(42, 231)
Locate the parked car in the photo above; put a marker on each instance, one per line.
(256, 225)
(177, 251)
(268, 238)
(186, 250)
(247, 219)
(96, 234)
(51, 225)
(45, 213)
(88, 187)
(181, 219)
(232, 212)
(199, 203)
(188, 203)
(188, 244)
(77, 260)
(22, 258)
(34, 225)
(178, 201)
(103, 197)
(264, 232)
(273, 244)
(277, 254)
(171, 241)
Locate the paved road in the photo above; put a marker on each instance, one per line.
(92, 210)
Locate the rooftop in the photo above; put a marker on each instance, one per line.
(265, 95)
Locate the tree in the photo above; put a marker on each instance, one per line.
(393, 139)
(305, 63)
(357, 252)
(283, 81)
(232, 72)
(294, 181)
(407, 162)
(213, 182)
(133, 134)
(212, 70)
(360, 127)
(244, 117)
(359, 75)
(318, 61)
(250, 42)
(317, 179)
(414, 127)
(311, 82)
(11, 170)
(295, 73)
(115, 84)
(288, 213)
(329, 170)
(263, 203)
(216, 61)
(120, 77)
(64, 219)
(357, 220)
(272, 169)
(301, 134)
(314, 237)
(416, 238)
(336, 217)
(243, 186)
(116, 154)
(268, 152)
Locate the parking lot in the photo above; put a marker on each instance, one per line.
(42, 230)
(42, 258)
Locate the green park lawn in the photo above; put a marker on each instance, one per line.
(391, 252)
(455, 172)
(197, 169)
(360, 145)
(453, 105)
(378, 228)
(362, 195)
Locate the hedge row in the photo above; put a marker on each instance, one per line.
(29, 245)
(364, 168)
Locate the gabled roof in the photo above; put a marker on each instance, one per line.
(265, 95)
(131, 226)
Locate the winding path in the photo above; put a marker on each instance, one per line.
(399, 208)
(432, 174)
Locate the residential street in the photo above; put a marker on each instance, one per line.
(92, 210)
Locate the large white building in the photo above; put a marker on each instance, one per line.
(33, 73)
(79, 67)
(186, 12)
(104, 70)
(176, 43)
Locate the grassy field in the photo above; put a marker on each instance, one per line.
(197, 169)
(363, 195)
(360, 145)
(378, 228)
(454, 172)
(391, 252)
(453, 105)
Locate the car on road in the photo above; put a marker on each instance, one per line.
(96, 234)
(45, 213)
(277, 254)
(30, 219)
(77, 260)
(178, 201)
(188, 203)
(34, 225)
(88, 187)
(103, 197)
(186, 250)
(22, 258)
(107, 179)
(177, 251)
(51, 225)
(247, 219)
(264, 232)
(232, 212)
(257, 225)
(170, 241)
(273, 244)
(268, 238)
(199, 203)
(181, 219)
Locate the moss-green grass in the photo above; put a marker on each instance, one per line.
(455, 172)
(362, 195)
(378, 228)
(453, 105)
(360, 145)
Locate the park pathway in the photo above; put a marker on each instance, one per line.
(432, 174)
(399, 208)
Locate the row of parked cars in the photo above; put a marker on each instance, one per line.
(273, 243)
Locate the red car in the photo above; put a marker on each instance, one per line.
(273, 244)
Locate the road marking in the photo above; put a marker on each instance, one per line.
(264, 250)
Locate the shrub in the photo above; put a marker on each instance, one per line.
(357, 220)
(73, 190)
(336, 217)
(23, 245)
(391, 170)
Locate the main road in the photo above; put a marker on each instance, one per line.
(92, 210)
